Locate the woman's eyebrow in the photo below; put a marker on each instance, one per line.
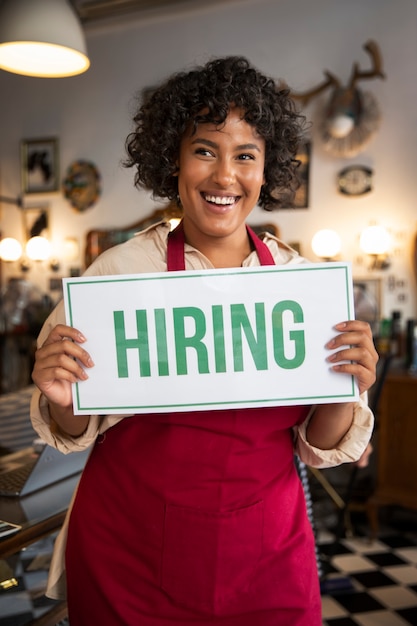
(213, 144)
(206, 142)
(248, 146)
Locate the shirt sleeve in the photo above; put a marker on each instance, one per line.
(349, 449)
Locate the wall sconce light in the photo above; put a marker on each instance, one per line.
(376, 241)
(10, 249)
(326, 244)
(41, 38)
(38, 249)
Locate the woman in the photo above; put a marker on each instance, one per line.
(195, 518)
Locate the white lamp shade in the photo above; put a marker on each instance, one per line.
(38, 249)
(326, 243)
(375, 240)
(10, 249)
(41, 38)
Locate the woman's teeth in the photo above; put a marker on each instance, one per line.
(223, 200)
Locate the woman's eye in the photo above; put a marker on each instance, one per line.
(203, 151)
(246, 157)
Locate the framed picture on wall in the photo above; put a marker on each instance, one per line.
(35, 222)
(367, 300)
(39, 165)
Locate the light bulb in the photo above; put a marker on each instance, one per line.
(10, 249)
(375, 240)
(326, 243)
(38, 249)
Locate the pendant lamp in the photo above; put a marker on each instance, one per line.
(41, 38)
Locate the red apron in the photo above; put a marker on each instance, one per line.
(194, 518)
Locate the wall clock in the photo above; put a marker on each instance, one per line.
(355, 180)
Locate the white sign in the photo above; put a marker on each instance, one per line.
(211, 339)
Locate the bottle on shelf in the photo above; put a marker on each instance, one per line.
(383, 338)
(396, 335)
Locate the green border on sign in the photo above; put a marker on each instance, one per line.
(198, 274)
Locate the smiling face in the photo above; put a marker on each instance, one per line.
(220, 175)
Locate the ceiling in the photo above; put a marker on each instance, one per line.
(93, 10)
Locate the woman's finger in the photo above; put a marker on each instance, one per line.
(61, 331)
(64, 347)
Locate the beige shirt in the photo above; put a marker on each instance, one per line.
(146, 252)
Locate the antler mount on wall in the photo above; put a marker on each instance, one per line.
(351, 117)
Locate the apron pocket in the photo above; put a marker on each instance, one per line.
(209, 557)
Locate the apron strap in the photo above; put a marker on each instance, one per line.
(175, 249)
(262, 250)
(176, 242)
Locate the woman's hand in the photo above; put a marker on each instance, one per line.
(58, 363)
(354, 344)
(357, 348)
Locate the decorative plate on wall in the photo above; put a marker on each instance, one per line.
(81, 185)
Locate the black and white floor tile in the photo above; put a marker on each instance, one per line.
(370, 583)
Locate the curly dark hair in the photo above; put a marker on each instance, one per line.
(204, 95)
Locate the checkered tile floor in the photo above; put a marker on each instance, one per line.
(371, 583)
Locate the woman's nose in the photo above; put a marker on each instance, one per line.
(224, 173)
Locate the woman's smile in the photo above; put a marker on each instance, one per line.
(219, 203)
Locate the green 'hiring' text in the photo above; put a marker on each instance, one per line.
(197, 340)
